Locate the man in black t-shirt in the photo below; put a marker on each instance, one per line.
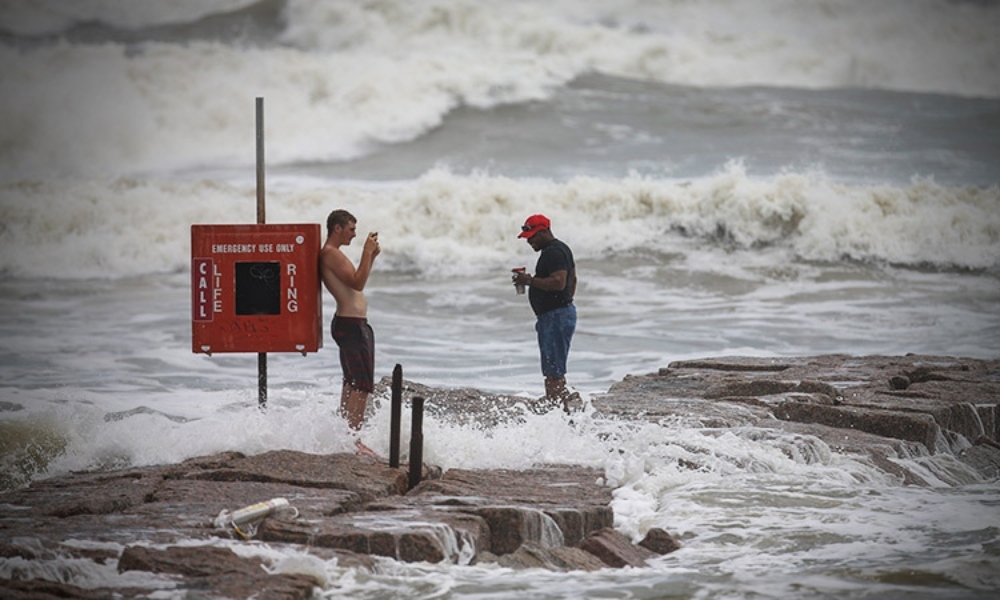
(550, 293)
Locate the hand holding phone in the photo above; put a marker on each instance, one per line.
(371, 244)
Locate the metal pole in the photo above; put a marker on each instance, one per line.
(261, 356)
(262, 379)
(417, 442)
(395, 416)
(260, 161)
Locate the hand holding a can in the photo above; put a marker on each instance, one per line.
(519, 278)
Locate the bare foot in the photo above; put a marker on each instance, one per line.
(363, 450)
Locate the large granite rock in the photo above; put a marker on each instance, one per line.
(158, 521)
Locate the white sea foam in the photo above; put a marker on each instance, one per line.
(925, 45)
(346, 77)
(118, 228)
(759, 508)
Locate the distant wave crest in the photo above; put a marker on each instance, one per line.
(343, 78)
(123, 228)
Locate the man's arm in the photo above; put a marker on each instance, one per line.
(338, 263)
(552, 283)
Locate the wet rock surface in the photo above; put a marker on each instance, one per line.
(876, 406)
(154, 526)
(159, 520)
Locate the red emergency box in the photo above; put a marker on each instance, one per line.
(256, 288)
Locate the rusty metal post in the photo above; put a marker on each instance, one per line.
(395, 416)
(417, 442)
(261, 356)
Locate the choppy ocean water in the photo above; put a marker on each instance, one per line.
(765, 178)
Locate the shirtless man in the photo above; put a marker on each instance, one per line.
(350, 328)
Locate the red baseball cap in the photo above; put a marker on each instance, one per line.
(533, 225)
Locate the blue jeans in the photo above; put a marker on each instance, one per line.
(555, 331)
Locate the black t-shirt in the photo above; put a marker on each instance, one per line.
(555, 257)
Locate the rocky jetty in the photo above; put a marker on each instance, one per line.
(882, 407)
(154, 525)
